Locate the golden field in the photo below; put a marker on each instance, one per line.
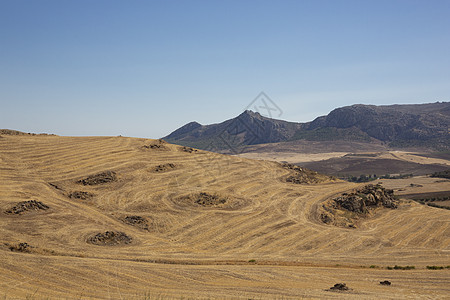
(264, 242)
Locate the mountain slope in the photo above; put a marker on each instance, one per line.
(248, 128)
(424, 125)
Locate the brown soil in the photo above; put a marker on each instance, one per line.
(81, 195)
(164, 167)
(100, 178)
(26, 206)
(305, 176)
(137, 221)
(110, 238)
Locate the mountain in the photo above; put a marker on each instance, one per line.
(414, 125)
(249, 128)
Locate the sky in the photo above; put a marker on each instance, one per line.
(145, 68)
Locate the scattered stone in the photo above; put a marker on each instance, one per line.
(154, 146)
(339, 287)
(81, 195)
(164, 167)
(137, 221)
(110, 238)
(55, 186)
(25, 206)
(21, 247)
(100, 178)
(188, 149)
(386, 282)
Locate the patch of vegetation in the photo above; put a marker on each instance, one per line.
(434, 143)
(399, 176)
(435, 267)
(438, 206)
(396, 267)
(430, 201)
(252, 261)
(371, 177)
(361, 178)
(332, 134)
(442, 174)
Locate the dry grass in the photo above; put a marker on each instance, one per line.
(192, 251)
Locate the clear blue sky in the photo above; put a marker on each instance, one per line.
(144, 68)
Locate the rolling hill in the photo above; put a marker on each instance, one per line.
(129, 218)
(415, 125)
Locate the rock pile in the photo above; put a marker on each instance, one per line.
(100, 178)
(137, 221)
(346, 209)
(110, 238)
(370, 196)
(304, 176)
(159, 145)
(188, 149)
(164, 167)
(25, 206)
(205, 199)
(81, 195)
(21, 247)
(339, 287)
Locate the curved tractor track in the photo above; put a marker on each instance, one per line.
(264, 241)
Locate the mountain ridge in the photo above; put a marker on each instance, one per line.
(399, 125)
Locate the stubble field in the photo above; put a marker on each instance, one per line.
(166, 221)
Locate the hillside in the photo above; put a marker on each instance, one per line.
(123, 218)
(415, 125)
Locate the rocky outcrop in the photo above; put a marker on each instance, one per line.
(137, 221)
(339, 287)
(164, 167)
(301, 175)
(370, 196)
(81, 195)
(26, 206)
(205, 199)
(100, 178)
(347, 209)
(110, 238)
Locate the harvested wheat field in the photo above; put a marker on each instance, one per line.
(128, 218)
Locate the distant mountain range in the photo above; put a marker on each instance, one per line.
(414, 125)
